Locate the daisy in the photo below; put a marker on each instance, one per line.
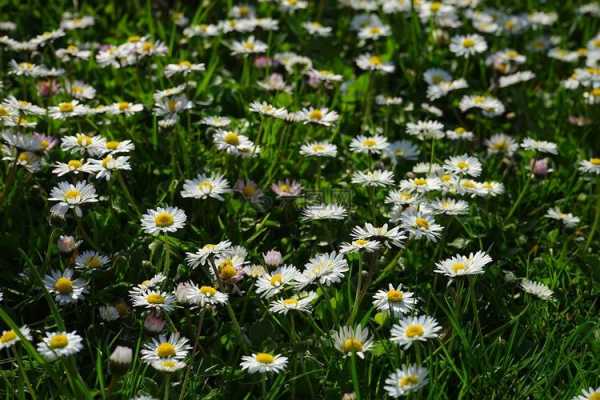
(462, 265)
(249, 190)
(104, 167)
(205, 295)
(264, 363)
(59, 344)
(168, 365)
(369, 144)
(521, 76)
(103, 146)
(248, 46)
(466, 46)
(275, 82)
(125, 108)
(450, 207)
(315, 28)
(411, 329)
(490, 105)
(324, 212)
(591, 166)
(273, 283)
(463, 165)
(228, 268)
(169, 107)
(459, 133)
(421, 185)
(319, 149)
(287, 188)
(491, 188)
(204, 186)
(80, 143)
(9, 338)
(109, 313)
(71, 196)
(173, 347)
(201, 256)
(537, 289)
(321, 116)
(230, 141)
(402, 150)
(568, 219)
(420, 225)
(71, 167)
(382, 233)
(402, 197)
(358, 245)
(425, 130)
(80, 90)
(589, 393)
(501, 143)
(151, 283)
(374, 31)
(539, 145)
(265, 108)
(216, 121)
(91, 260)
(64, 287)
(67, 109)
(152, 299)
(295, 303)
(394, 300)
(352, 340)
(25, 69)
(321, 75)
(408, 379)
(376, 178)
(183, 67)
(371, 62)
(162, 220)
(323, 269)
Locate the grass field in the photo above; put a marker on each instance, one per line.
(294, 199)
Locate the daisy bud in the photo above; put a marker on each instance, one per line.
(273, 258)
(540, 167)
(262, 62)
(67, 244)
(48, 88)
(349, 396)
(120, 360)
(154, 323)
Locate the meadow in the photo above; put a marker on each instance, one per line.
(291, 199)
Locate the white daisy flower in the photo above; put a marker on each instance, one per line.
(369, 144)
(463, 265)
(589, 393)
(183, 67)
(402, 150)
(248, 46)
(315, 28)
(103, 146)
(449, 206)
(321, 116)
(91, 260)
(59, 344)
(80, 90)
(350, 340)
(459, 133)
(294, 303)
(372, 62)
(173, 347)
(205, 295)
(591, 166)
(80, 143)
(420, 225)
(539, 145)
(537, 289)
(405, 380)
(393, 236)
(426, 130)
(501, 143)
(324, 269)
(9, 338)
(272, 283)
(463, 165)
(360, 245)
(67, 109)
(421, 185)
(152, 299)
(125, 108)
(71, 196)
(468, 45)
(65, 289)
(216, 121)
(411, 329)
(168, 365)
(568, 219)
(103, 168)
(162, 220)
(200, 257)
(72, 167)
(264, 363)
(375, 178)
(204, 186)
(319, 149)
(394, 300)
(324, 212)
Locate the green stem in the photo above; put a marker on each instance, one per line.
(127, 193)
(596, 218)
(355, 382)
(520, 198)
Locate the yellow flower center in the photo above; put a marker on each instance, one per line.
(208, 291)
(249, 190)
(72, 48)
(231, 138)
(94, 262)
(352, 344)
(112, 144)
(446, 178)
(66, 107)
(83, 140)
(290, 302)
(460, 130)
(317, 148)
(227, 270)
(315, 115)
(147, 47)
(185, 64)
(436, 6)
(165, 350)
(369, 142)
(469, 184)
(458, 266)
(595, 161)
(155, 298)
(462, 164)
(106, 160)
(76, 90)
(72, 194)
(74, 164)
(284, 187)
(409, 380)
(468, 43)
(172, 105)
(3, 111)
(168, 363)
(277, 280)
(361, 242)
(594, 396)
(209, 246)
(123, 105)
(395, 296)
(264, 358)
(8, 336)
(249, 45)
(422, 223)
(163, 219)
(420, 181)
(375, 60)
(58, 342)
(24, 156)
(415, 330)
(63, 285)
(134, 39)
(375, 30)
(596, 92)
(205, 186)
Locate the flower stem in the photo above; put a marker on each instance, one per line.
(355, 383)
